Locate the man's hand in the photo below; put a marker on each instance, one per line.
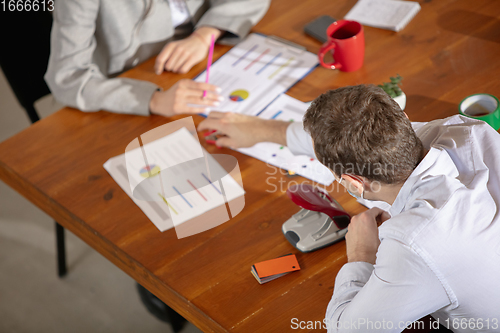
(176, 99)
(181, 55)
(362, 237)
(239, 131)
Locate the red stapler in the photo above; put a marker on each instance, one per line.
(320, 222)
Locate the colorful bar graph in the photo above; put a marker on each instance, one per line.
(276, 114)
(245, 55)
(269, 63)
(208, 180)
(196, 190)
(281, 67)
(257, 59)
(179, 193)
(169, 205)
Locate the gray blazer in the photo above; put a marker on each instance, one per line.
(92, 41)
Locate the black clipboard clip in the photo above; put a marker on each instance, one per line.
(278, 41)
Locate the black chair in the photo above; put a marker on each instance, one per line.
(25, 42)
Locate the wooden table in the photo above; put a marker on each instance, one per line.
(448, 51)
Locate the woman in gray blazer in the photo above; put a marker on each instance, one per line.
(93, 41)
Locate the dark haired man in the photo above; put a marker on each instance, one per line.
(438, 251)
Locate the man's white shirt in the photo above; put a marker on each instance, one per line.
(440, 251)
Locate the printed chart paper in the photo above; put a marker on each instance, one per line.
(170, 179)
(254, 72)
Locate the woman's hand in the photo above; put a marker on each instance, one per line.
(181, 55)
(176, 99)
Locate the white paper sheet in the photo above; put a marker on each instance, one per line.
(183, 189)
(254, 72)
(386, 14)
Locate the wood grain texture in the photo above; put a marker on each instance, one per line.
(448, 51)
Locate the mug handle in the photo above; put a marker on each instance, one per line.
(325, 48)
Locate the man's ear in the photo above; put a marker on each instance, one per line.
(354, 183)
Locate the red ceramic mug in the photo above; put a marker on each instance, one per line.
(347, 42)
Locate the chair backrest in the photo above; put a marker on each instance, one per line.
(25, 45)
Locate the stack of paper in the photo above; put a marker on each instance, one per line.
(386, 14)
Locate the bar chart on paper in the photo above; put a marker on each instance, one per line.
(286, 108)
(173, 179)
(254, 72)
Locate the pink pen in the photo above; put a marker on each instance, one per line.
(209, 62)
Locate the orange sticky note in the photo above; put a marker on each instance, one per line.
(276, 266)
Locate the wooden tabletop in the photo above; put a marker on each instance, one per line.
(448, 51)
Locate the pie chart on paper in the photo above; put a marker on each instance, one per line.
(239, 95)
(148, 170)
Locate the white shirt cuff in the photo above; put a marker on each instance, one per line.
(298, 140)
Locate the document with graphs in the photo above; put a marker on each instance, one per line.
(257, 70)
(174, 180)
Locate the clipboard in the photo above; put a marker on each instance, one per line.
(256, 71)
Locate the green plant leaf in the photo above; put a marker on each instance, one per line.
(392, 88)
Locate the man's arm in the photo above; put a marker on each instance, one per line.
(298, 140)
(399, 289)
(241, 131)
(383, 283)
